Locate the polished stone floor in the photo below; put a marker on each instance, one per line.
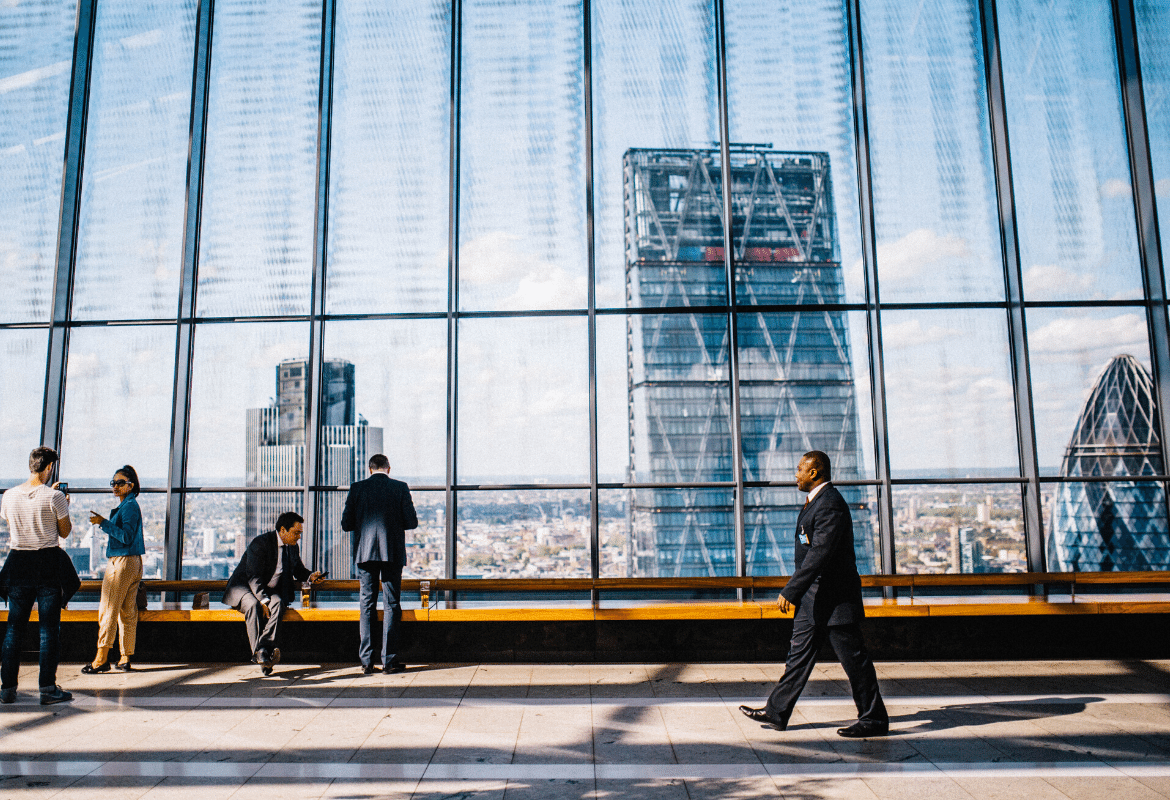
(1018, 730)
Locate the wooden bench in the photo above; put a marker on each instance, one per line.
(758, 601)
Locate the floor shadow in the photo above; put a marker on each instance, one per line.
(969, 715)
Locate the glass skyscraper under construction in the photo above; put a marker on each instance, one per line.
(795, 372)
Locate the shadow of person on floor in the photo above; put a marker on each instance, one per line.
(967, 715)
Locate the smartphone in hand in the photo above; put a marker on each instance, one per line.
(63, 488)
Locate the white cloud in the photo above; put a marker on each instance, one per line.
(911, 334)
(1076, 334)
(496, 260)
(1048, 281)
(1115, 188)
(910, 256)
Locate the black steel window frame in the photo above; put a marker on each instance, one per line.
(1154, 302)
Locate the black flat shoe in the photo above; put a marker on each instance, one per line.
(761, 715)
(90, 669)
(864, 728)
(124, 666)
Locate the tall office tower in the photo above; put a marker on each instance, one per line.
(1116, 525)
(276, 453)
(796, 377)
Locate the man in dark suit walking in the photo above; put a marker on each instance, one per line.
(379, 511)
(825, 589)
(264, 584)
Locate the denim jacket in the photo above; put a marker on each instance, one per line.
(125, 529)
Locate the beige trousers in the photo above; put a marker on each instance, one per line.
(119, 602)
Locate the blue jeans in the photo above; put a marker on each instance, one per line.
(369, 573)
(20, 603)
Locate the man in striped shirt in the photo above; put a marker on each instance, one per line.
(38, 515)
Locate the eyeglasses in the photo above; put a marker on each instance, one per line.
(121, 483)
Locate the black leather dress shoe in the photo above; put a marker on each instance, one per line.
(394, 668)
(761, 715)
(864, 728)
(368, 669)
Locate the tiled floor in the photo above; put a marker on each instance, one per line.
(1013, 730)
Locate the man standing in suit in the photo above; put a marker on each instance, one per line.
(379, 511)
(825, 589)
(265, 582)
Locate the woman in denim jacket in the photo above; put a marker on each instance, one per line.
(124, 551)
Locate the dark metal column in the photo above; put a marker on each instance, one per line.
(591, 262)
(452, 560)
(185, 337)
(1014, 287)
(732, 316)
(315, 368)
(873, 303)
(1145, 206)
(54, 403)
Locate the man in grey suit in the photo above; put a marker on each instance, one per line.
(825, 589)
(379, 511)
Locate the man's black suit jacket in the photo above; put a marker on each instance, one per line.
(826, 581)
(379, 511)
(256, 568)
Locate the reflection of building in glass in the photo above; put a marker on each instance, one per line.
(796, 377)
(1120, 525)
(276, 453)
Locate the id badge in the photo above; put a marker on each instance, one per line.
(803, 536)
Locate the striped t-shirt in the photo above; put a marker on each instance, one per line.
(32, 513)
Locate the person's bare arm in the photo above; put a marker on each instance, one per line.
(64, 527)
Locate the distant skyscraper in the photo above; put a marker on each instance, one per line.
(1116, 525)
(276, 454)
(796, 377)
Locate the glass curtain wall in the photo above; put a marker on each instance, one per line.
(578, 293)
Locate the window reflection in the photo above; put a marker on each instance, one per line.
(1070, 165)
(934, 192)
(389, 157)
(971, 529)
(36, 51)
(949, 394)
(522, 165)
(118, 389)
(259, 199)
(654, 86)
(131, 232)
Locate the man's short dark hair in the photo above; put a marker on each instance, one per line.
(820, 463)
(286, 520)
(41, 457)
(379, 461)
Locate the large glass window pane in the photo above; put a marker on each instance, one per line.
(259, 200)
(664, 398)
(248, 406)
(526, 534)
(654, 88)
(133, 197)
(789, 89)
(1106, 526)
(36, 53)
(933, 186)
(119, 386)
(522, 159)
(1153, 20)
(86, 545)
(523, 400)
(680, 533)
(22, 396)
(1091, 384)
(770, 527)
(390, 157)
(798, 392)
(971, 528)
(949, 399)
(426, 545)
(1070, 166)
(385, 392)
(217, 527)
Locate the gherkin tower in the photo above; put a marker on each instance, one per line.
(1118, 525)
